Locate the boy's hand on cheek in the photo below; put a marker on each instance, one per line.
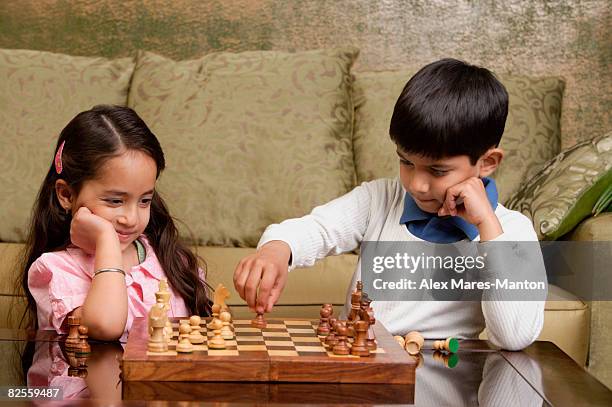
(86, 230)
(469, 200)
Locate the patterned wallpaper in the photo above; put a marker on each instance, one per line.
(567, 38)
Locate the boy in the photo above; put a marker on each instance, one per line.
(447, 125)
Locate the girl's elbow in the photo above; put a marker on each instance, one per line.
(105, 332)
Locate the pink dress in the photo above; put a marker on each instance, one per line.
(59, 282)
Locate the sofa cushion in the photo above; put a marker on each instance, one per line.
(566, 190)
(531, 137)
(40, 93)
(250, 138)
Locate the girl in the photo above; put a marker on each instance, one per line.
(101, 238)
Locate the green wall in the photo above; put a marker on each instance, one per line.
(567, 38)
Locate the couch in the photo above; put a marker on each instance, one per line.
(251, 139)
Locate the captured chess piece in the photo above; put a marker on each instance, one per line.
(449, 360)
(184, 345)
(400, 339)
(195, 337)
(413, 342)
(217, 341)
(449, 345)
(259, 321)
(83, 350)
(73, 339)
(226, 330)
(326, 312)
(341, 348)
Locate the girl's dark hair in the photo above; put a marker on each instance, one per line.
(92, 138)
(450, 108)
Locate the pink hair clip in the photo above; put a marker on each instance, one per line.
(58, 158)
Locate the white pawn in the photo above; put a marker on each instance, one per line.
(226, 331)
(184, 345)
(217, 341)
(195, 337)
(216, 308)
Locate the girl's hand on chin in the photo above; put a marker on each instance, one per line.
(86, 230)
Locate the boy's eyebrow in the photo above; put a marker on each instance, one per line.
(439, 166)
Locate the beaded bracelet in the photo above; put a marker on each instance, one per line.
(107, 270)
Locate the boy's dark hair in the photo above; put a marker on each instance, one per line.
(450, 108)
(92, 138)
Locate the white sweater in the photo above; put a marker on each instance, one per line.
(371, 212)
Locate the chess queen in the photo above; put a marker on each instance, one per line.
(101, 237)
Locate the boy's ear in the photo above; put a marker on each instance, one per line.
(64, 194)
(490, 161)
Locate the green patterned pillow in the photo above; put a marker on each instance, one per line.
(532, 135)
(250, 139)
(40, 92)
(564, 192)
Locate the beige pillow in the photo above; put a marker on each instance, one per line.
(564, 192)
(250, 139)
(531, 137)
(40, 92)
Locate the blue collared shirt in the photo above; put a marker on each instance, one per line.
(448, 229)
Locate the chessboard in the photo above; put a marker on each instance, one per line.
(286, 350)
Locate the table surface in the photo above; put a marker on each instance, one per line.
(483, 375)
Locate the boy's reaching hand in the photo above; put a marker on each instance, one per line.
(261, 277)
(468, 200)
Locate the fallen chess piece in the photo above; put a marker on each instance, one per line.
(413, 342)
(449, 360)
(449, 345)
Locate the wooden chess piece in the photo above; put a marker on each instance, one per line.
(259, 321)
(226, 330)
(217, 341)
(216, 308)
(195, 337)
(184, 345)
(366, 313)
(400, 339)
(355, 301)
(73, 333)
(449, 345)
(330, 339)
(221, 294)
(413, 342)
(360, 344)
(341, 348)
(83, 349)
(325, 313)
(449, 360)
(157, 323)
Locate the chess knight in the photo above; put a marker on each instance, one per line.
(366, 313)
